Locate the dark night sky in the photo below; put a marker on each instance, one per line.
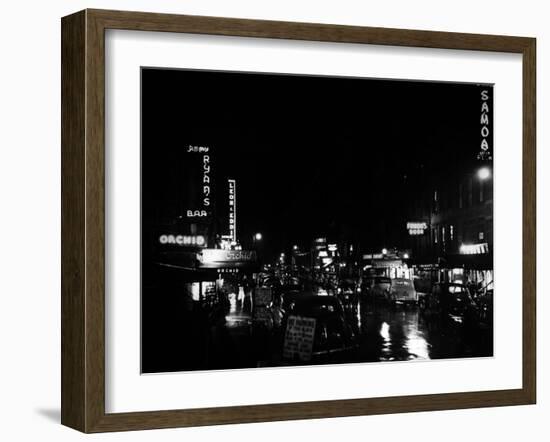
(311, 155)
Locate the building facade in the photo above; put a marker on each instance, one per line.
(450, 226)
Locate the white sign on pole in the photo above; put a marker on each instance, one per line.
(299, 336)
(260, 311)
(262, 296)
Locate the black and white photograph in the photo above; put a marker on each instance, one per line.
(298, 220)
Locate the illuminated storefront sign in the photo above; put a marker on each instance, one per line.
(474, 249)
(183, 240)
(205, 185)
(417, 227)
(387, 263)
(219, 255)
(232, 210)
(485, 151)
(217, 258)
(196, 213)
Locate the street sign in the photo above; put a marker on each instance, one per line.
(299, 335)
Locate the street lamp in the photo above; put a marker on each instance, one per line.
(384, 251)
(483, 173)
(258, 237)
(294, 247)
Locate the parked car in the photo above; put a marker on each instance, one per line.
(453, 303)
(375, 289)
(288, 300)
(334, 339)
(402, 291)
(484, 302)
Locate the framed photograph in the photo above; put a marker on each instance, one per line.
(266, 221)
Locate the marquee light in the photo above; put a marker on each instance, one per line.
(474, 249)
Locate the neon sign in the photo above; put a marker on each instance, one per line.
(417, 228)
(183, 240)
(232, 210)
(474, 249)
(205, 188)
(485, 152)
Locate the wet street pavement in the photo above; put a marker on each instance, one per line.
(383, 333)
(401, 334)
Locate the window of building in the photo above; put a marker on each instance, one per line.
(451, 233)
(435, 234)
(443, 234)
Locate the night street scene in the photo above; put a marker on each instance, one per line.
(292, 220)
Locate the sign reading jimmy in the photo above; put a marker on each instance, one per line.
(282, 227)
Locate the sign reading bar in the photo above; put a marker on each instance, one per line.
(299, 335)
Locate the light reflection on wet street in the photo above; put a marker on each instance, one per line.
(400, 334)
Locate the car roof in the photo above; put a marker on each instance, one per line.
(305, 301)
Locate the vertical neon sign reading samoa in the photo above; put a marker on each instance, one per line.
(485, 152)
(232, 209)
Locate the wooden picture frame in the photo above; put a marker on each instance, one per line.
(83, 220)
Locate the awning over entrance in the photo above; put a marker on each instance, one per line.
(472, 262)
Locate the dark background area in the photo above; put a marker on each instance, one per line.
(311, 155)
